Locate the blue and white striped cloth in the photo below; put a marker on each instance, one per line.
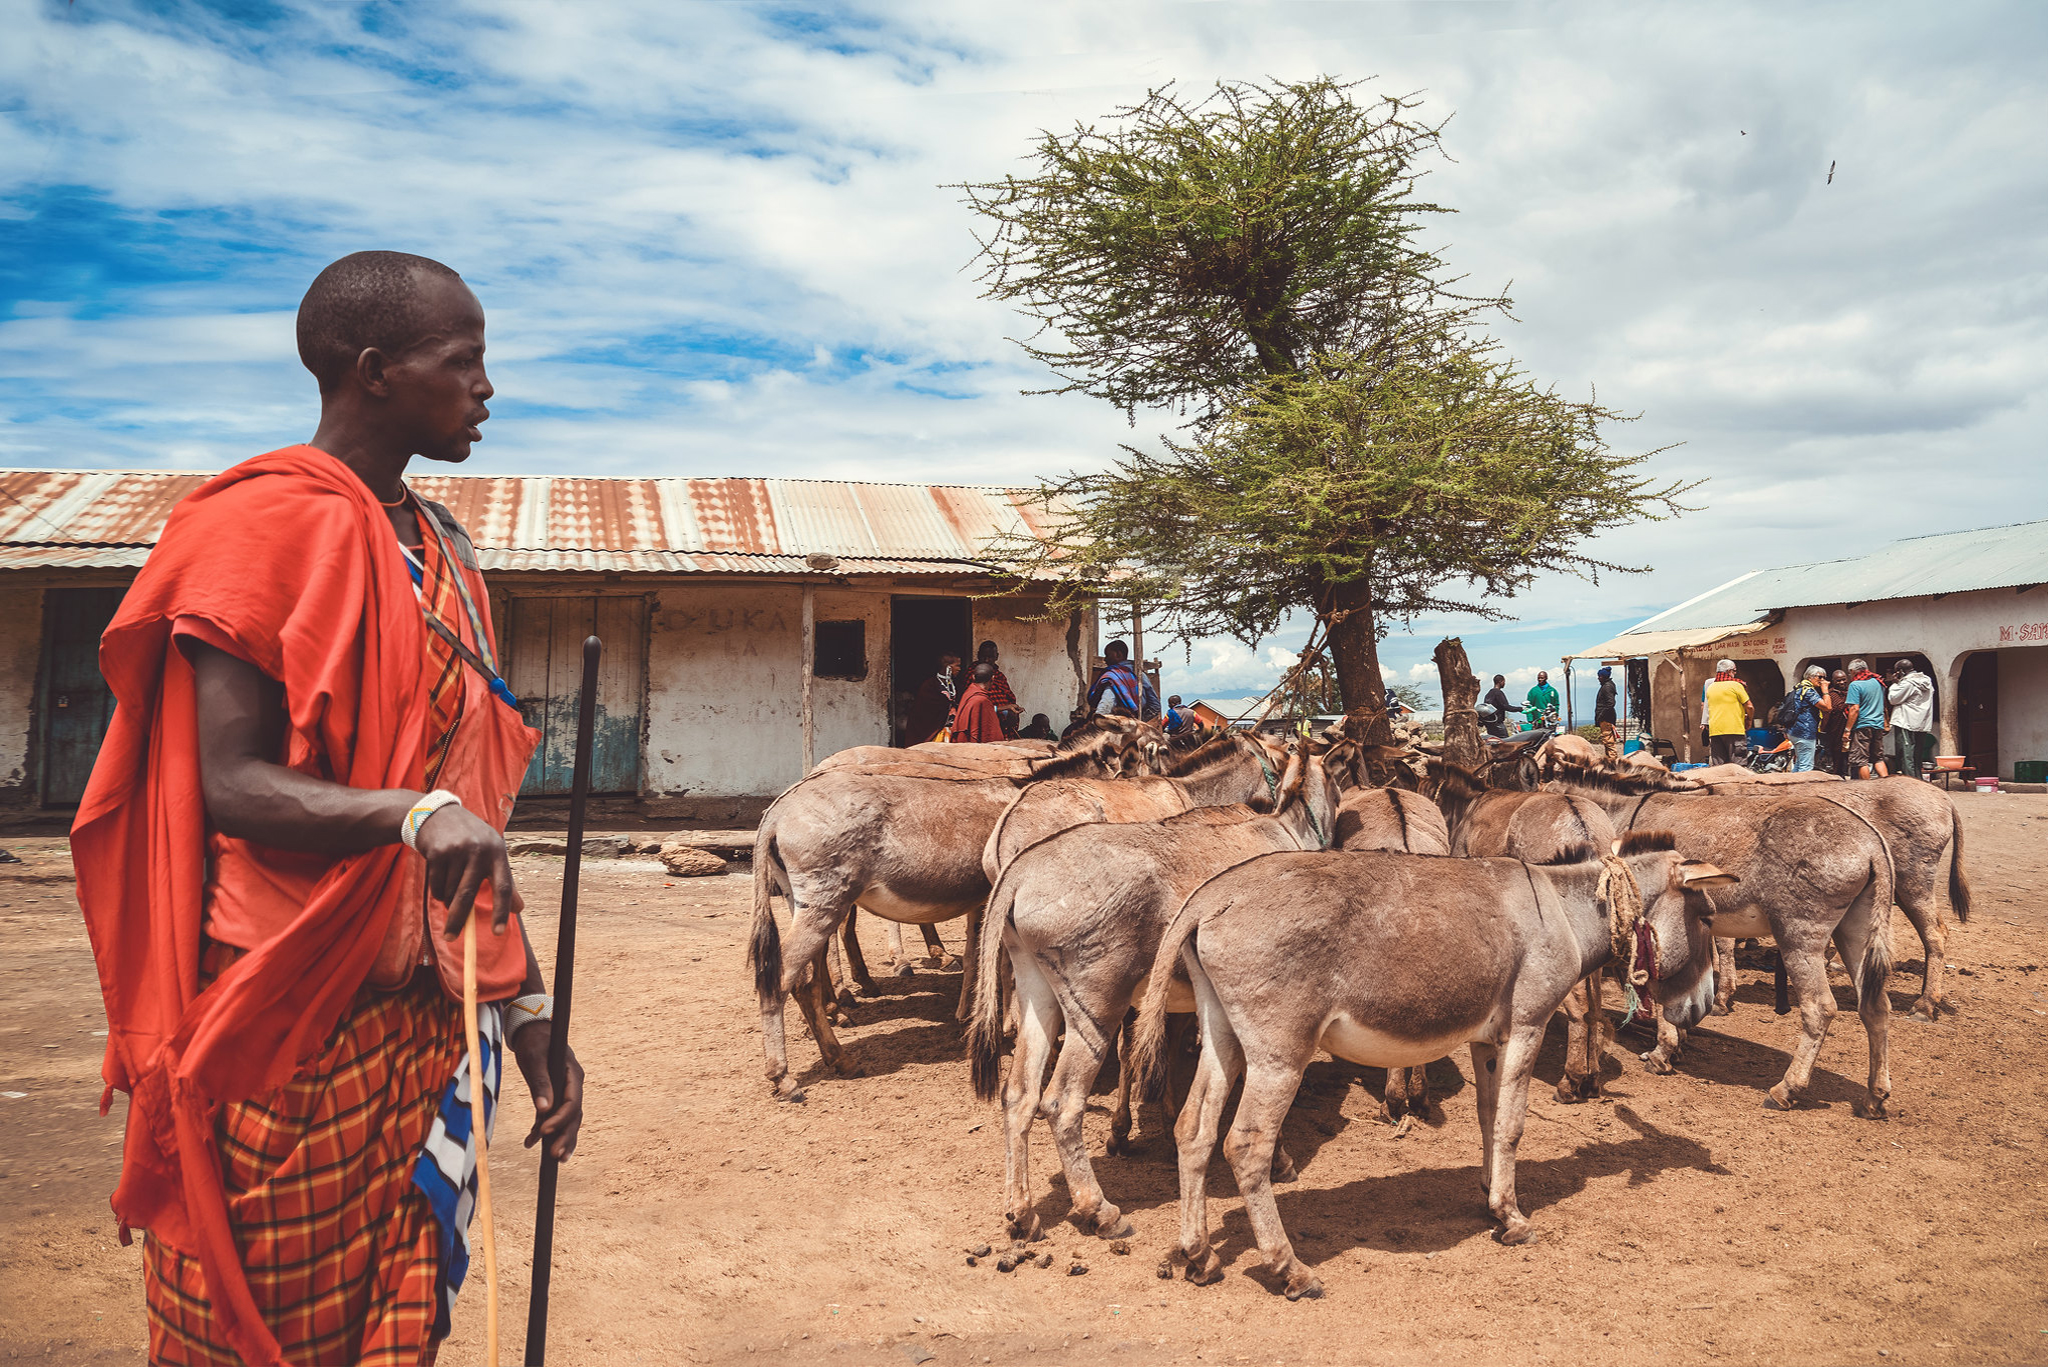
(446, 1170)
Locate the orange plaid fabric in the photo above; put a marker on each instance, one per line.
(341, 1249)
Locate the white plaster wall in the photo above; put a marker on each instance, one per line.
(724, 690)
(848, 712)
(1034, 656)
(21, 647)
(725, 682)
(2022, 706)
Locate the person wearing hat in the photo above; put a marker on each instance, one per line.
(1728, 714)
(1808, 704)
(1605, 716)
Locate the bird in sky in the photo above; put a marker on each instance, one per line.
(1831, 173)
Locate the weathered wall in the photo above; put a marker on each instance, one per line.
(2022, 706)
(1034, 656)
(725, 681)
(21, 642)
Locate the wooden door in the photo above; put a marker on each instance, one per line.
(544, 666)
(77, 706)
(1977, 711)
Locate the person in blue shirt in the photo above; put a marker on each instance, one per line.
(1865, 729)
(1808, 702)
(1129, 694)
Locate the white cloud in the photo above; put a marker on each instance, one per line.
(714, 239)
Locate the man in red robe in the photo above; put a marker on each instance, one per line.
(299, 803)
(974, 716)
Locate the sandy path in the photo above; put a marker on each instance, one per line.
(700, 1222)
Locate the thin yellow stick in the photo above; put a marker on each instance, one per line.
(476, 1120)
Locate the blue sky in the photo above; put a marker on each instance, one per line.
(713, 239)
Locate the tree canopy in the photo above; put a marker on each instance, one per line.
(1355, 447)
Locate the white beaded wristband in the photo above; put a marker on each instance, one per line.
(409, 829)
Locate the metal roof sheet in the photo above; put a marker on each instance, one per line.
(2006, 557)
(676, 526)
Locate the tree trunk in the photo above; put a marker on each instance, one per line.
(1462, 745)
(1355, 651)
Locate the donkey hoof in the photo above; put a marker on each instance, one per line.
(1110, 1223)
(1305, 1289)
(903, 971)
(786, 1090)
(1779, 1098)
(1208, 1272)
(1516, 1231)
(1283, 1171)
(1871, 1108)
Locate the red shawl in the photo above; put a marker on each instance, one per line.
(289, 557)
(975, 718)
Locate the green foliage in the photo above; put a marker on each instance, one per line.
(1412, 697)
(1188, 248)
(1437, 484)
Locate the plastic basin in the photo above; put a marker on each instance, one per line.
(1952, 763)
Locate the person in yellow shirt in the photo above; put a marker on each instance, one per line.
(1729, 714)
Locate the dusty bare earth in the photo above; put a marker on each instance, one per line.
(701, 1222)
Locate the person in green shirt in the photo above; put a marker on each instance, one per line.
(1543, 705)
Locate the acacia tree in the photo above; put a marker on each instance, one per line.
(1353, 447)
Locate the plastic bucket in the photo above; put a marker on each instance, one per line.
(1987, 785)
(1631, 747)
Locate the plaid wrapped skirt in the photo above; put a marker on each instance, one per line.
(341, 1249)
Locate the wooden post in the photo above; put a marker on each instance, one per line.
(1138, 650)
(810, 659)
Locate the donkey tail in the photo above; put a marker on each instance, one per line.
(764, 949)
(1148, 1040)
(985, 1026)
(1958, 881)
(1876, 969)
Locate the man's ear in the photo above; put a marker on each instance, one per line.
(370, 372)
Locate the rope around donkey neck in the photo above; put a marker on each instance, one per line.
(1624, 916)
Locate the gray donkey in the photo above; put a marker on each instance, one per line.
(1391, 960)
(1079, 914)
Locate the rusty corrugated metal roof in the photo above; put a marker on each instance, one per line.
(82, 518)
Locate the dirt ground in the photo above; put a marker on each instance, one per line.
(702, 1222)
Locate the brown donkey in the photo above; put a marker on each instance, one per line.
(1391, 960)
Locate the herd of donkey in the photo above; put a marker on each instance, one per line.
(1274, 897)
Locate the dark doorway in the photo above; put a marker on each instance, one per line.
(920, 630)
(1765, 683)
(1635, 700)
(544, 666)
(76, 703)
(1977, 711)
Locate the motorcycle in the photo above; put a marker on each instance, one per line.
(1775, 757)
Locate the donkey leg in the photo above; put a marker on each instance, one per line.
(856, 962)
(899, 962)
(1724, 976)
(1873, 1005)
(1394, 1097)
(1807, 979)
(1581, 1076)
(1511, 1113)
(811, 926)
(1486, 1094)
(1269, 1088)
(1066, 1106)
(1038, 1024)
(969, 955)
(1120, 1122)
(1195, 1136)
(935, 949)
(1934, 945)
(819, 1017)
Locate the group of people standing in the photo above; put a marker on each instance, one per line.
(1836, 722)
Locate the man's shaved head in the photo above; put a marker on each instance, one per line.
(367, 299)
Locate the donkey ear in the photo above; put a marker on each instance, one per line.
(1698, 874)
(1615, 848)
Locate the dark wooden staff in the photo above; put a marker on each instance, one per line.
(558, 1039)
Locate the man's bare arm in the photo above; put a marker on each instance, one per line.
(251, 796)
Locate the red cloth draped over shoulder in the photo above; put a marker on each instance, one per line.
(290, 558)
(974, 718)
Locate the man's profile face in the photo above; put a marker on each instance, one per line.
(437, 386)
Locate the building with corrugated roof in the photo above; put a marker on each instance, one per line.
(1969, 608)
(750, 625)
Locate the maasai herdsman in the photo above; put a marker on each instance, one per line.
(300, 800)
